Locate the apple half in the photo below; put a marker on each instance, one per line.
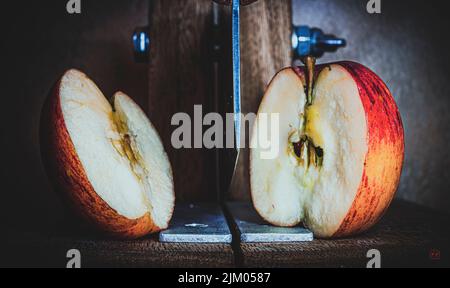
(340, 154)
(107, 160)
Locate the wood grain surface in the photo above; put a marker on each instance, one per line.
(180, 76)
(407, 235)
(33, 249)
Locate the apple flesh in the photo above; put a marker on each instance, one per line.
(108, 161)
(340, 156)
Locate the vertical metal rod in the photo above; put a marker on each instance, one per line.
(236, 71)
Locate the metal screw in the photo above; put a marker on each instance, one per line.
(312, 41)
(141, 44)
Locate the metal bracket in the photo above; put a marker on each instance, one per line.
(197, 223)
(252, 228)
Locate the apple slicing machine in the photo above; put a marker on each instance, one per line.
(210, 222)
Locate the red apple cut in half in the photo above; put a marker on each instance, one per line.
(108, 161)
(340, 154)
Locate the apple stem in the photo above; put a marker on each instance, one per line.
(309, 63)
(306, 152)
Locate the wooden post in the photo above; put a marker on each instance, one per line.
(181, 75)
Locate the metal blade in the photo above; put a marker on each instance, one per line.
(231, 101)
(236, 72)
(236, 54)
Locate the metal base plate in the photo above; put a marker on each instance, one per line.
(197, 223)
(253, 228)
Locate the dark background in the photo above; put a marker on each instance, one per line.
(406, 45)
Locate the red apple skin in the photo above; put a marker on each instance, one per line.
(385, 155)
(384, 158)
(64, 168)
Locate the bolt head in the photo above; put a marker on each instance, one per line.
(301, 41)
(141, 44)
